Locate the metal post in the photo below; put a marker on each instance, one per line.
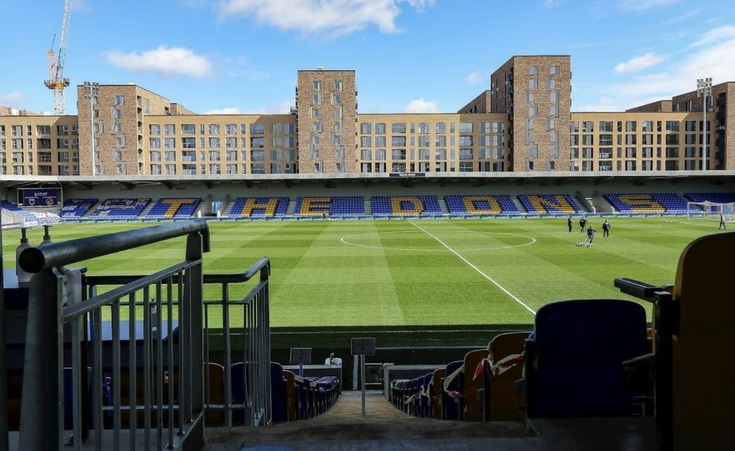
(704, 88)
(41, 422)
(362, 381)
(4, 436)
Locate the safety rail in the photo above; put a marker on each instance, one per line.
(234, 329)
(69, 326)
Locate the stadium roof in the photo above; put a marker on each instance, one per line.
(520, 178)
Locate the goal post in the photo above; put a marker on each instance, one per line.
(708, 209)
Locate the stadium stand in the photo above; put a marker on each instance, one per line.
(502, 372)
(453, 385)
(76, 208)
(655, 203)
(491, 204)
(574, 358)
(259, 206)
(337, 206)
(692, 351)
(720, 198)
(120, 208)
(29, 217)
(550, 204)
(174, 207)
(473, 386)
(405, 206)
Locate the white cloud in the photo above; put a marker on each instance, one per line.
(421, 106)
(642, 5)
(678, 77)
(165, 61)
(718, 34)
(11, 99)
(335, 17)
(277, 108)
(475, 78)
(230, 110)
(639, 63)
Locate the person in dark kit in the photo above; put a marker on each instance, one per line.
(582, 223)
(590, 235)
(570, 223)
(722, 222)
(605, 228)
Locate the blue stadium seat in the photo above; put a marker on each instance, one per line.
(574, 358)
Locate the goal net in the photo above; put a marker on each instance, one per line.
(710, 209)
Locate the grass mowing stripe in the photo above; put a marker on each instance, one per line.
(406, 276)
(476, 269)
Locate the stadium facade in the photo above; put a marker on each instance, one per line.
(522, 125)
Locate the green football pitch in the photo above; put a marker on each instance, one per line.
(414, 272)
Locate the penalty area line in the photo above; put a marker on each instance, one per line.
(478, 270)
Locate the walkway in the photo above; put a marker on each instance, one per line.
(385, 428)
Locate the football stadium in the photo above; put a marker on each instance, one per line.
(510, 270)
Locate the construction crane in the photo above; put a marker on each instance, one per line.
(56, 80)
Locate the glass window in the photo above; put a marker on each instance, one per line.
(398, 127)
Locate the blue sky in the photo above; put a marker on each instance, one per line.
(241, 56)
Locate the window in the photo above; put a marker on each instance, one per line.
(440, 128)
(398, 127)
(154, 129)
(366, 141)
(317, 85)
(121, 141)
(188, 129)
(314, 112)
(398, 141)
(338, 85)
(257, 129)
(214, 129)
(169, 129)
(119, 100)
(365, 128)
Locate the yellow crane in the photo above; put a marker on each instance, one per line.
(56, 80)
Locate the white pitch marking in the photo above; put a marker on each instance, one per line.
(476, 269)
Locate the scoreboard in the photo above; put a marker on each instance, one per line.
(39, 197)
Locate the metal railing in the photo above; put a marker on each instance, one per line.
(123, 357)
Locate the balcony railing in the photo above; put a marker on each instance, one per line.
(124, 357)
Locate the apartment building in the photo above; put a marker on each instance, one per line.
(522, 123)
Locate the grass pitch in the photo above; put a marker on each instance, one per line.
(414, 272)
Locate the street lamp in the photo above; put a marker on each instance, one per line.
(91, 94)
(704, 88)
